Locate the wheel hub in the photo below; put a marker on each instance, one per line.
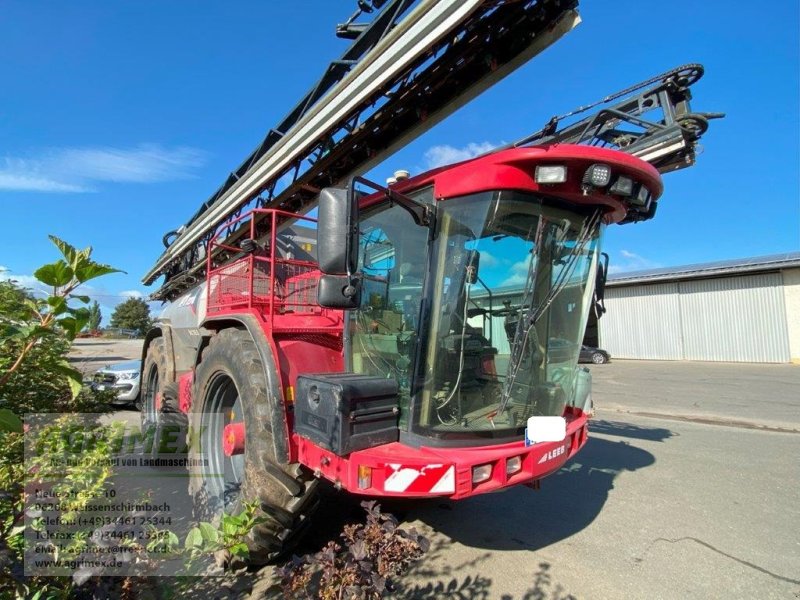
(233, 439)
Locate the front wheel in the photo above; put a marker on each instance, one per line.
(598, 358)
(235, 460)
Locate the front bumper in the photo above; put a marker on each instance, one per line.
(402, 471)
(127, 391)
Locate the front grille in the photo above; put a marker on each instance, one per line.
(105, 378)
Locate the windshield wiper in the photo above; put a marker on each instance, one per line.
(528, 316)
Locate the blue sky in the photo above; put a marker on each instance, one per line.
(118, 119)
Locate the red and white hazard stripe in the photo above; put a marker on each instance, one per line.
(431, 479)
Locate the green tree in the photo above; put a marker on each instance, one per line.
(95, 316)
(132, 314)
(36, 376)
(13, 301)
(43, 318)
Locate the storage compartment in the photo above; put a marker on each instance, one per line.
(345, 412)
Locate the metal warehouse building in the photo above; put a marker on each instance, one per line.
(740, 310)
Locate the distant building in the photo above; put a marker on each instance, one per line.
(739, 310)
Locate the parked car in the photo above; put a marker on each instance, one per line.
(593, 355)
(123, 377)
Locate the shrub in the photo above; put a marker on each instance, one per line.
(362, 568)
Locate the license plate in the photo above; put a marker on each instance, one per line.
(101, 388)
(545, 429)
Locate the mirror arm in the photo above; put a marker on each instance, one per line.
(421, 213)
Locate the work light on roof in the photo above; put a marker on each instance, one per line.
(641, 198)
(598, 175)
(551, 174)
(623, 186)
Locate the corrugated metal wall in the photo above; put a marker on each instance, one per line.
(739, 319)
(642, 321)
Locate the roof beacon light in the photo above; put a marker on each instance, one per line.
(551, 174)
(597, 175)
(623, 186)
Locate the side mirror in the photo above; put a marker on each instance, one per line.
(339, 291)
(337, 231)
(337, 249)
(600, 285)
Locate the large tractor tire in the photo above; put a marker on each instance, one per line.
(158, 397)
(232, 389)
(154, 375)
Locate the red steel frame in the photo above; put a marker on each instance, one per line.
(306, 338)
(291, 306)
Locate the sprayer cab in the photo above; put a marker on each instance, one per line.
(470, 286)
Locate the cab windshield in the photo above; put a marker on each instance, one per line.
(512, 282)
(480, 321)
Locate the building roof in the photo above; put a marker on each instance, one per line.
(757, 264)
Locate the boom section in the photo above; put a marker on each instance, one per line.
(444, 53)
(652, 120)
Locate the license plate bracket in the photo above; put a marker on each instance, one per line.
(545, 429)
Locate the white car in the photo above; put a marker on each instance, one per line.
(123, 377)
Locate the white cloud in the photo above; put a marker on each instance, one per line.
(631, 262)
(24, 281)
(445, 154)
(9, 180)
(519, 273)
(75, 170)
(488, 260)
(132, 294)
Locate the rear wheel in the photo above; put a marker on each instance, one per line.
(157, 397)
(235, 457)
(153, 377)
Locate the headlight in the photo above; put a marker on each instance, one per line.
(127, 375)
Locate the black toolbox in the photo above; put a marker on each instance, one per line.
(345, 412)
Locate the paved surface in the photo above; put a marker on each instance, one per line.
(763, 395)
(701, 501)
(90, 354)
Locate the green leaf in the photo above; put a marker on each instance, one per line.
(228, 528)
(92, 270)
(209, 532)
(240, 549)
(82, 316)
(172, 540)
(56, 274)
(9, 421)
(80, 313)
(58, 305)
(69, 252)
(84, 299)
(194, 539)
(73, 377)
(9, 331)
(70, 326)
(33, 304)
(83, 255)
